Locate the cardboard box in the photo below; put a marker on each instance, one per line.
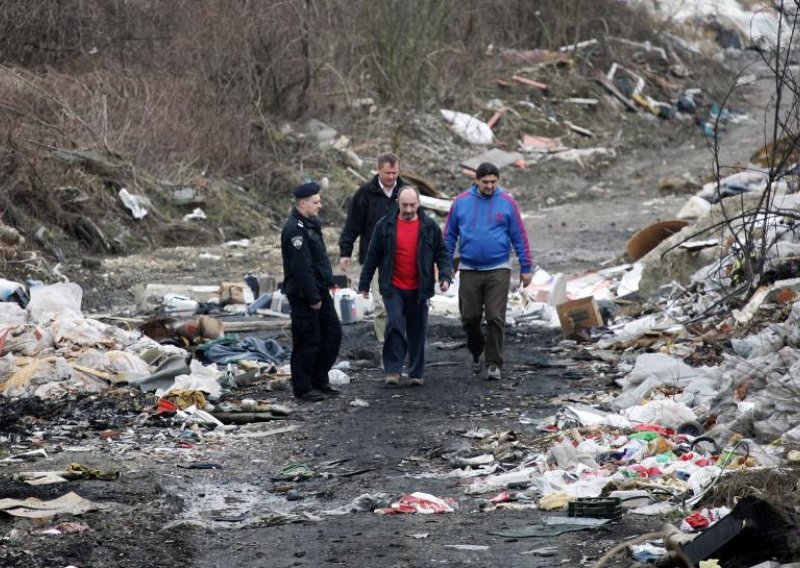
(578, 314)
(232, 293)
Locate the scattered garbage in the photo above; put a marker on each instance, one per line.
(422, 503)
(136, 204)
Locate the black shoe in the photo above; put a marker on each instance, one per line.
(310, 396)
(328, 390)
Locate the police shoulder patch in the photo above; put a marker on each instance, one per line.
(297, 241)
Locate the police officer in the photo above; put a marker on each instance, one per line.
(308, 278)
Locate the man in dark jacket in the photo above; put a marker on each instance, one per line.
(371, 202)
(405, 247)
(308, 278)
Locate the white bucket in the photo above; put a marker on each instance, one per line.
(280, 303)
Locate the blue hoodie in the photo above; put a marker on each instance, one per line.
(487, 228)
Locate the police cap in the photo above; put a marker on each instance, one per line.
(306, 190)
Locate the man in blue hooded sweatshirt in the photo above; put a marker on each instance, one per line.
(485, 222)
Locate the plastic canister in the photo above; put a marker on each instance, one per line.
(347, 307)
(266, 283)
(280, 303)
(345, 303)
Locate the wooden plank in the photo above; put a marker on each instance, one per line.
(580, 130)
(529, 82)
(424, 185)
(499, 113)
(255, 325)
(434, 204)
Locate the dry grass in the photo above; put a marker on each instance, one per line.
(186, 90)
(762, 483)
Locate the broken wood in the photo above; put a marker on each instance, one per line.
(580, 130)
(579, 45)
(356, 174)
(579, 101)
(647, 46)
(499, 113)
(529, 82)
(255, 325)
(425, 186)
(609, 85)
(435, 204)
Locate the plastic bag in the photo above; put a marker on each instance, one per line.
(337, 377)
(46, 301)
(470, 128)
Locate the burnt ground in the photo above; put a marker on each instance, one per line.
(579, 217)
(403, 433)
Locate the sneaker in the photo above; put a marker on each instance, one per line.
(493, 373)
(392, 380)
(416, 382)
(477, 364)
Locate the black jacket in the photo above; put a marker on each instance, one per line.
(367, 206)
(432, 250)
(306, 269)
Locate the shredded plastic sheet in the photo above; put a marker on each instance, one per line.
(33, 508)
(11, 314)
(422, 503)
(47, 301)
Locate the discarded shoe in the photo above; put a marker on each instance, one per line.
(328, 390)
(477, 364)
(416, 382)
(392, 380)
(310, 396)
(493, 373)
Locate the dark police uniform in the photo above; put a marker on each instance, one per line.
(308, 277)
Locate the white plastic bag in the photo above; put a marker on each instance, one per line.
(470, 128)
(337, 377)
(46, 301)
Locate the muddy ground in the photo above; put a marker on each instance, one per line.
(402, 434)
(578, 217)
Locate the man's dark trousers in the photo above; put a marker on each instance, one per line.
(406, 322)
(316, 336)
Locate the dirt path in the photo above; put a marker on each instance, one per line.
(402, 435)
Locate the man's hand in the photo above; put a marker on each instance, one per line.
(526, 278)
(365, 293)
(344, 263)
(444, 286)
(316, 306)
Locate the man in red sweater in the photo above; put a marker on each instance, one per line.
(404, 248)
